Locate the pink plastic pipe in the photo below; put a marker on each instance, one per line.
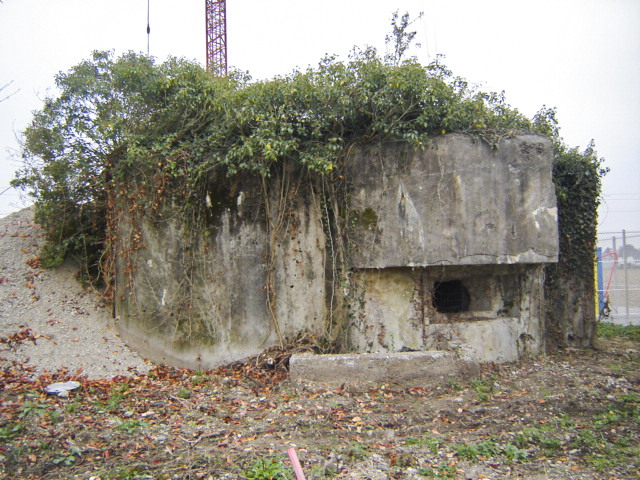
(293, 456)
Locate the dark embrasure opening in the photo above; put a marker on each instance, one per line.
(451, 297)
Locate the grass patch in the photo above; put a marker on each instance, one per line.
(439, 471)
(564, 422)
(455, 385)
(200, 378)
(357, 450)
(536, 437)
(131, 426)
(607, 455)
(73, 407)
(184, 393)
(484, 388)
(116, 397)
(124, 473)
(30, 408)
(587, 440)
(611, 330)
(490, 449)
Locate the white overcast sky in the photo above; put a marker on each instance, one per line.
(580, 56)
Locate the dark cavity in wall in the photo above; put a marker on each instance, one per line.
(451, 297)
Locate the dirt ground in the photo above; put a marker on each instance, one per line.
(573, 414)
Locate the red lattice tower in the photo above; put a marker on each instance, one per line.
(216, 11)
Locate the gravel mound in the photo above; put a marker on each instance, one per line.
(48, 321)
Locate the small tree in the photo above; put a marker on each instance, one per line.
(72, 143)
(399, 40)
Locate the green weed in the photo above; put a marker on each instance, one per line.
(514, 453)
(27, 410)
(320, 471)
(455, 385)
(184, 393)
(124, 473)
(55, 417)
(535, 436)
(30, 408)
(200, 378)
(600, 462)
(608, 418)
(130, 426)
(486, 449)
(432, 444)
(66, 459)
(268, 469)
(9, 431)
(484, 388)
(609, 456)
(117, 395)
(565, 422)
(357, 450)
(586, 440)
(440, 471)
(490, 449)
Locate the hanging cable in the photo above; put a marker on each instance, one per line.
(426, 36)
(148, 27)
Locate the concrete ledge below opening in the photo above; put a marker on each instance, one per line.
(404, 368)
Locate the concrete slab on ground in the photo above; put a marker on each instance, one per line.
(405, 368)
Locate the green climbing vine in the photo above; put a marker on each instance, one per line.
(577, 176)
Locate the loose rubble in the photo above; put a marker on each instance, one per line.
(59, 323)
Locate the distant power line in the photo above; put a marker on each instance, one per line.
(630, 196)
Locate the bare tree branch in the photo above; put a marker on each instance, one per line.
(2, 99)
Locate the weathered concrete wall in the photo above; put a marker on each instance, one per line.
(570, 317)
(459, 202)
(459, 211)
(198, 299)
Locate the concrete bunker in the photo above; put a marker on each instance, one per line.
(444, 250)
(455, 258)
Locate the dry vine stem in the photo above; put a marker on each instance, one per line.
(274, 228)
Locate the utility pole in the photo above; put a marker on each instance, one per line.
(216, 13)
